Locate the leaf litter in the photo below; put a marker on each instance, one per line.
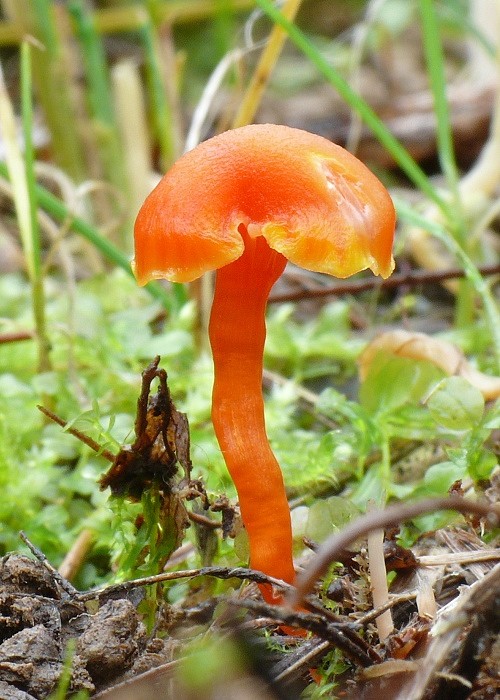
(126, 641)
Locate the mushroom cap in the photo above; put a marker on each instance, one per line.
(311, 200)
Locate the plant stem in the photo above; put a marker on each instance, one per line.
(433, 50)
(37, 291)
(52, 81)
(472, 273)
(160, 107)
(378, 579)
(99, 93)
(20, 173)
(435, 70)
(260, 78)
(130, 109)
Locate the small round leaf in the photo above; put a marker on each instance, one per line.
(456, 404)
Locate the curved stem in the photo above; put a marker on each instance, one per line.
(237, 334)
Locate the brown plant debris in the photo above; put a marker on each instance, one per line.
(114, 657)
(162, 441)
(150, 464)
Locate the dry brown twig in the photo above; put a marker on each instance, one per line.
(63, 583)
(16, 337)
(343, 635)
(75, 557)
(413, 278)
(390, 517)
(222, 572)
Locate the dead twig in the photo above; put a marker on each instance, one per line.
(341, 634)
(222, 572)
(296, 663)
(390, 517)
(76, 555)
(446, 559)
(56, 576)
(78, 434)
(15, 337)
(414, 278)
(133, 687)
(476, 603)
(380, 610)
(203, 520)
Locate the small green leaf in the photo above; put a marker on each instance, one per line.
(456, 404)
(393, 382)
(329, 515)
(440, 477)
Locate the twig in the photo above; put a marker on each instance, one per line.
(76, 555)
(203, 520)
(381, 609)
(290, 668)
(390, 517)
(16, 337)
(459, 557)
(56, 576)
(78, 434)
(475, 603)
(222, 572)
(341, 635)
(132, 686)
(413, 278)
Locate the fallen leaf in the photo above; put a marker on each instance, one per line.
(441, 353)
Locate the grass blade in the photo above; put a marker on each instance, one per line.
(435, 70)
(397, 151)
(408, 213)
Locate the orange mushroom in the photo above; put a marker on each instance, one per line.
(243, 203)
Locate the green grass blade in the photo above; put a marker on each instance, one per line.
(60, 212)
(19, 169)
(382, 133)
(94, 61)
(14, 171)
(37, 284)
(435, 70)
(163, 123)
(408, 214)
(34, 247)
(99, 93)
(52, 80)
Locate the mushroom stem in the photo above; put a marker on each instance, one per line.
(237, 334)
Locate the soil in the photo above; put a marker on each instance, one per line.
(38, 622)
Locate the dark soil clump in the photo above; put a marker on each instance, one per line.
(40, 622)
